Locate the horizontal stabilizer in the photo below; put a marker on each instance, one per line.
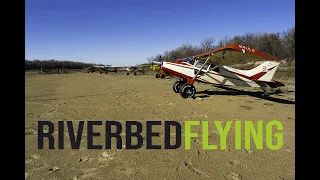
(272, 84)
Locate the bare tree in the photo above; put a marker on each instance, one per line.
(207, 44)
(279, 45)
(54, 64)
(288, 42)
(150, 59)
(224, 41)
(186, 50)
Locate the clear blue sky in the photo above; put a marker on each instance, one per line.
(127, 32)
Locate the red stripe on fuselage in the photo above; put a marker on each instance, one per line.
(179, 65)
(175, 73)
(190, 67)
(176, 63)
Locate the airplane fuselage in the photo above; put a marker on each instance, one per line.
(212, 75)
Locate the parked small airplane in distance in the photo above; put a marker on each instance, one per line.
(157, 68)
(95, 69)
(115, 69)
(191, 69)
(43, 70)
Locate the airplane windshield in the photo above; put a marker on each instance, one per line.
(200, 64)
(188, 60)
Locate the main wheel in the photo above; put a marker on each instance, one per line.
(100, 72)
(157, 75)
(187, 91)
(162, 76)
(106, 72)
(134, 73)
(128, 74)
(176, 86)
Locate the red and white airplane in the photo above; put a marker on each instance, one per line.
(192, 69)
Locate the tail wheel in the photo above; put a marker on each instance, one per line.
(128, 74)
(265, 92)
(157, 75)
(176, 86)
(187, 91)
(162, 76)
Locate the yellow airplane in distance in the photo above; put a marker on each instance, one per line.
(160, 73)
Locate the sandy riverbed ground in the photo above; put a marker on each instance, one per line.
(83, 96)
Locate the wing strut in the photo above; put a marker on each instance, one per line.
(195, 77)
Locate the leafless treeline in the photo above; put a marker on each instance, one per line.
(279, 45)
(54, 64)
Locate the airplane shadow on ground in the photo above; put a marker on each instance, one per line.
(235, 92)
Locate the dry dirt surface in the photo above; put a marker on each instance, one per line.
(93, 96)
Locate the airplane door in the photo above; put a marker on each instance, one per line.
(202, 76)
(198, 65)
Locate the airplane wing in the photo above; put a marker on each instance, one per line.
(125, 68)
(117, 66)
(237, 47)
(122, 67)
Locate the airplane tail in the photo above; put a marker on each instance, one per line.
(263, 72)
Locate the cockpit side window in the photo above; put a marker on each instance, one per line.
(206, 66)
(200, 64)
